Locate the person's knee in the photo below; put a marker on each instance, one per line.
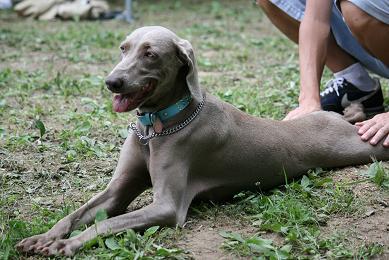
(266, 5)
(356, 19)
(370, 32)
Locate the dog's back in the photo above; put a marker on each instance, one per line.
(263, 151)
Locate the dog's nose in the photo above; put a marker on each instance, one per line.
(113, 83)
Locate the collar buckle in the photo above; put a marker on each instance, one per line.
(152, 117)
(148, 119)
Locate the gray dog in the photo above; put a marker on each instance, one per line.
(188, 144)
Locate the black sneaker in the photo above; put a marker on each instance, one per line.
(339, 93)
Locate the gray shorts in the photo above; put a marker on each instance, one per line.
(376, 8)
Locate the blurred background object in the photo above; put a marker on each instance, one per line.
(5, 4)
(127, 13)
(65, 9)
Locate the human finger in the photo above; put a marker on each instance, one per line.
(386, 142)
(381, 133)
(370, 132)
(366, 127)
(289, 116)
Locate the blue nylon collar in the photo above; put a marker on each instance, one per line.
(148, 119)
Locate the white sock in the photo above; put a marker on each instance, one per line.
(357, 75)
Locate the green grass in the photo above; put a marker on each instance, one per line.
(60, 139)
(378, 174)
(13, 229)
(254, 246)
(124, 245)
(131, 245)
(297, 213)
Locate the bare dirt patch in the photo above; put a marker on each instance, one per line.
(201, 236)
(371, 224)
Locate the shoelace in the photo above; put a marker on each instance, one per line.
(333, 85)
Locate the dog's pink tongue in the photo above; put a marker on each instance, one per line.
(120, 103)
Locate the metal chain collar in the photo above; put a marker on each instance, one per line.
(145, 139)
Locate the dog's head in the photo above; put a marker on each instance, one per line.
(151, 60)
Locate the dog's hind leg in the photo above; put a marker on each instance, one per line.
(129, 180)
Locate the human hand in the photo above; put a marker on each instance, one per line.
(302, 110)
(375, 129)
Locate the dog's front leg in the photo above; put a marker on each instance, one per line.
(130, 179)
(151, 215)
(170, 205)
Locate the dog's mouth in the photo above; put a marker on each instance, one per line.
(129, 101)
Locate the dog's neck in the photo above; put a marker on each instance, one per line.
(178, 93)
(178, 90)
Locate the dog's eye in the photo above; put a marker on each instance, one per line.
(122, 48)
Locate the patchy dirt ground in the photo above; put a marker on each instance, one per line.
(372, 225)
(202, 238)
(53, 72)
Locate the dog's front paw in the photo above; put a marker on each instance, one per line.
(66, 247)
(33, 244)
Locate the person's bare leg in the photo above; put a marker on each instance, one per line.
(337, 59)
(373, 35)
(365, 29)
(377, 128)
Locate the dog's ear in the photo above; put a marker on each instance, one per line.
(186, 55)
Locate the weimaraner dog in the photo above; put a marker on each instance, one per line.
(188, 144)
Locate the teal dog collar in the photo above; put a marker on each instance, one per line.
(148, 119)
